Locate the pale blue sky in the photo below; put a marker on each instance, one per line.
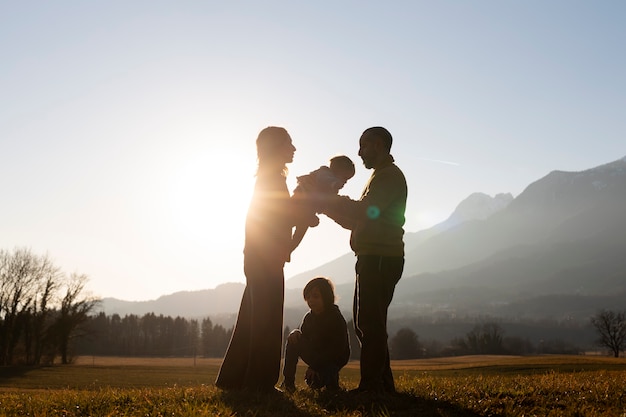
(127, 128)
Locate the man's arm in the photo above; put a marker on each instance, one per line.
(380, 193)
(335, 208)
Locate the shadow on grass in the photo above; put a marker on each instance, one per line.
(309, 403)
(399, 404)
(245, 403)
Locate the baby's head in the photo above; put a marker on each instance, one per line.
(319, 294)
(342, 167)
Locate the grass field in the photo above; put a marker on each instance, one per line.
(461, 386)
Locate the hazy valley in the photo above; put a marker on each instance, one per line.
(556, 251)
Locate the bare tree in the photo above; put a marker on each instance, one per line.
(15, 284)
(27, 283)
(33, 320)
(611, 327)
(485, 339)
(48, 281)
(73, 312)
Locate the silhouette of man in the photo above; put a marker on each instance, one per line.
(376, 222)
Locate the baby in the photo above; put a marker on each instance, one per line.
(323, 181)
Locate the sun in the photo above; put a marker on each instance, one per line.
(209, 197)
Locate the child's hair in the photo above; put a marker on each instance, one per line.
(326, 287)
(342, 163)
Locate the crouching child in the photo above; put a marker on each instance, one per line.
(321, 341)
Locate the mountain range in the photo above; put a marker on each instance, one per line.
(557, 250)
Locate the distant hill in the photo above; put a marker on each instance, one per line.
(224, 299)
(556, 250)
(564, 236)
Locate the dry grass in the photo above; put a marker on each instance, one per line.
(460, 386)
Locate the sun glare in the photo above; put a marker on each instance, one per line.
(209, 197)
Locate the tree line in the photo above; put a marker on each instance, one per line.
(152, 335)
(163, 336)
(44, 315)
(489, 338)
(155, 335)
(483, 339)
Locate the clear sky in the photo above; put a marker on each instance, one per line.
(127, 128)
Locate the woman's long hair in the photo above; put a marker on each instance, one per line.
(269, 140)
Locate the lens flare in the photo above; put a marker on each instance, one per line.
(373, 212)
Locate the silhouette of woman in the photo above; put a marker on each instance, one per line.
(252, 360)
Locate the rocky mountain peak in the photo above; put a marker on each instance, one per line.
(479, 206)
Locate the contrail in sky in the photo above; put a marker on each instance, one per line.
(439, 161)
